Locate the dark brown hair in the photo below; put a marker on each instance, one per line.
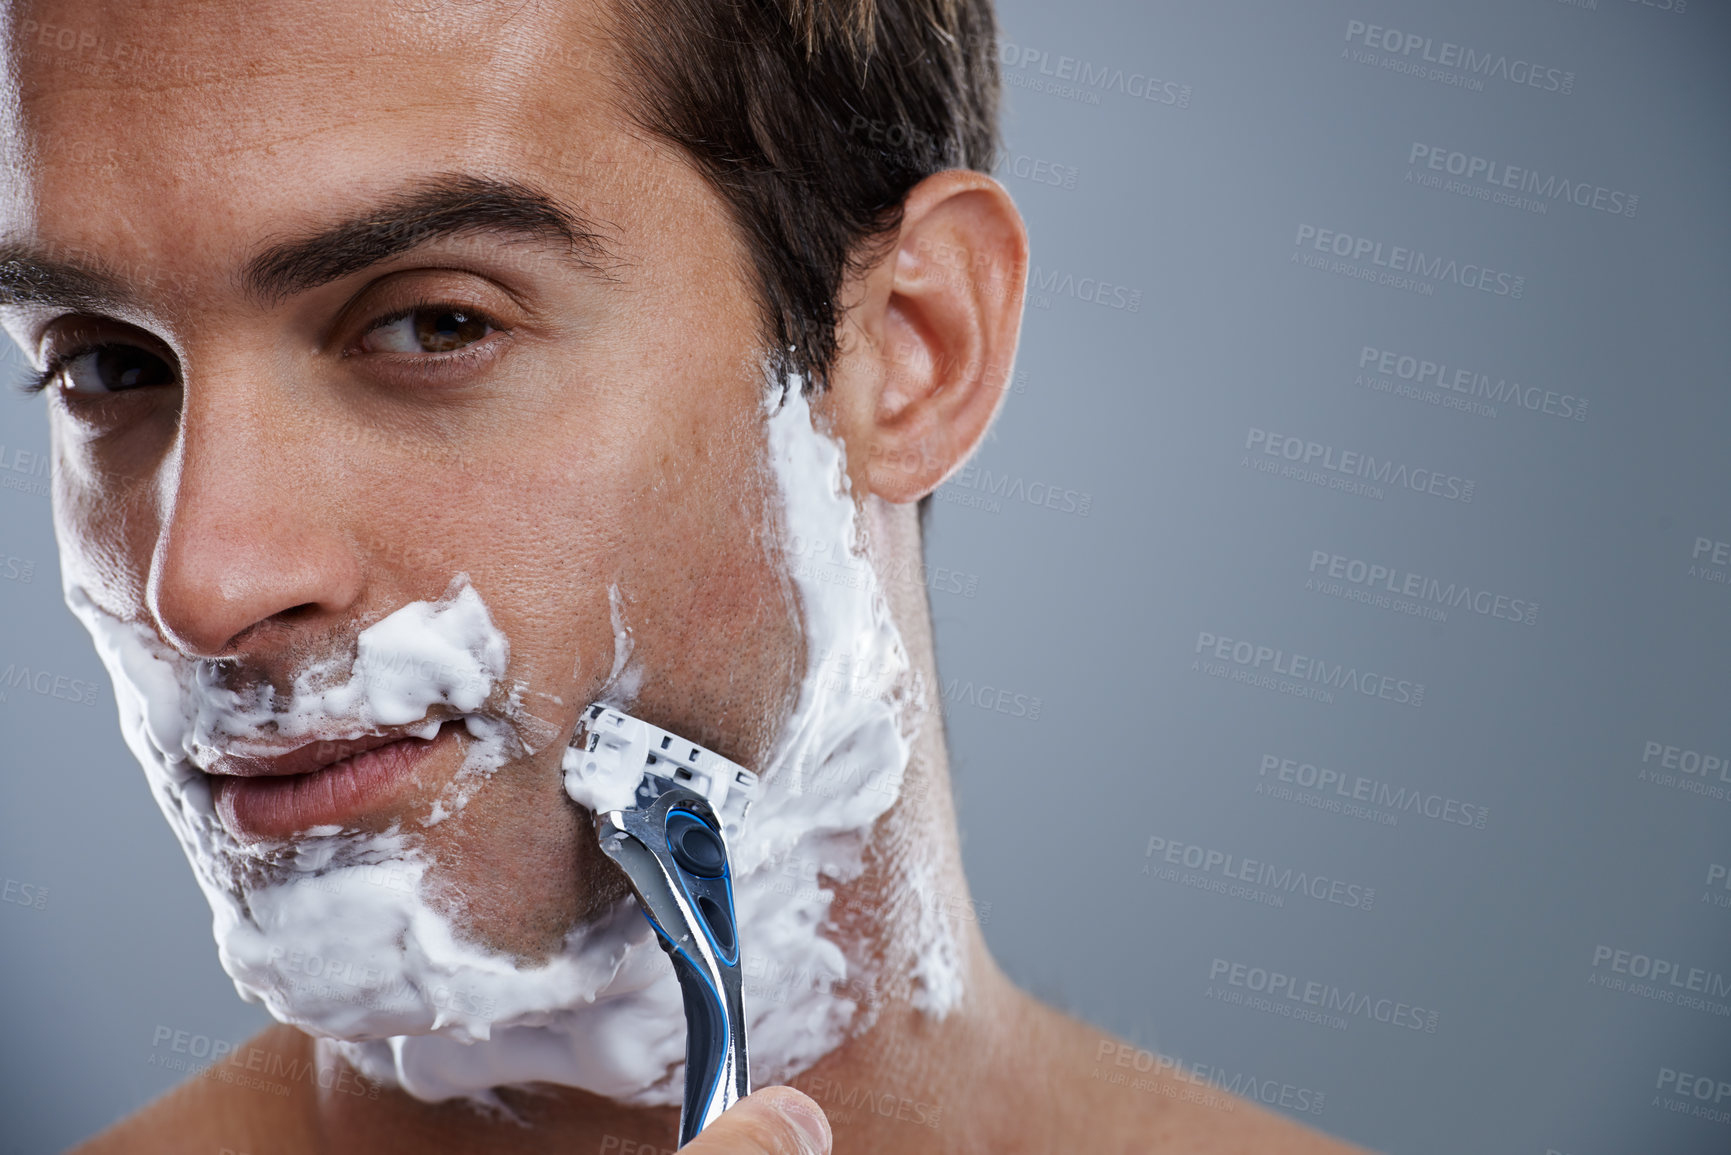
(812, 119)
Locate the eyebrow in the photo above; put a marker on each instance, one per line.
(436, 207)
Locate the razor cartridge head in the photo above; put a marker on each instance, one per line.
(619, 747)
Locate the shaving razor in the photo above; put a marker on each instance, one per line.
(672, 845)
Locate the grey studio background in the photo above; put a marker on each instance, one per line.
(1336, 667)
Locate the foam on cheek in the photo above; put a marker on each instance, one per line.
(334, 934)
(442, 652)
(332, 931)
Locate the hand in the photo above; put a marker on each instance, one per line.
(773, 1121)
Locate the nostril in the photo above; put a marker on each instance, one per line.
(224, 575)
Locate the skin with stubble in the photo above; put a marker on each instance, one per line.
(294, 460)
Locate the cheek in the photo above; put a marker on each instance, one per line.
(105, 543)
(715, 620)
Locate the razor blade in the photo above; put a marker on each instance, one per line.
(619, 747)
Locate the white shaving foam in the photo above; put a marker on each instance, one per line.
(333, 933)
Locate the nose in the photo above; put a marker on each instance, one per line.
(251, 533)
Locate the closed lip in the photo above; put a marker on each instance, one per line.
(347, 783)
(307, 758)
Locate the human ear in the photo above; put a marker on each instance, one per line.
(940, 312)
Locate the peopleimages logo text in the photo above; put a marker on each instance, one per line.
(1303, 668)
(1377, 577)
(1448, 54)
(1093, 290)
(1364, 466)
(1269, 1091)
(1079, 79)
(1337, 787)
(1279, 985)
(1256, 872)
(1696, 980)
(1411, 262)
(1454, 379)
(1498, 175)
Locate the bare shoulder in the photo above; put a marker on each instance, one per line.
(255, 1101)
(1136, 1101)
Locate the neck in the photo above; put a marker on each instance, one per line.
(910, 1083)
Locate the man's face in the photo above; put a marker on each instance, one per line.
(280, 453)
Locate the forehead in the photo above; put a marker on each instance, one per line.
(172, 128)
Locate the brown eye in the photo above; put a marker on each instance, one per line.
(430, 329)
(113, 369)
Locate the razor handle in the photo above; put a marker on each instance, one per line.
(675, 857)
